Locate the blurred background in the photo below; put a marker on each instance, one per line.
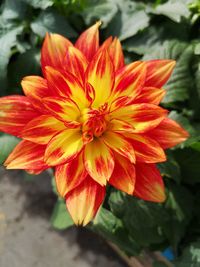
(35, 229)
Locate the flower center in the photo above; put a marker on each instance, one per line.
(94, 121)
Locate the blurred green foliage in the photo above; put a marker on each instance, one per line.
(147, 29)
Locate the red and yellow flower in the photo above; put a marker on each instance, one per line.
(94, 119)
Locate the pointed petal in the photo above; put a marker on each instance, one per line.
(64, 147)
(41, 129)
(54, 50)
(158, 72)
(84, 201)
(143, 117)
(88, 41)
(27, 155)
(129, 80)
(123, 176)
(100, 74)
(116, 54)
(168, 133)
(15, 113)
(64, 109)
(120, 126)
(150, 95)
(70, 175)
(67, 85)
(99, 161)
(35, 88)
(76, 63)
(149, 184)
(106, 44)
(146, 149)
(119, 144)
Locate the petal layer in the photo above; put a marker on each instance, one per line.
(123, 176)
(27, 155)
(168, 133)
(64, 147)
(15, 113)
(88, 41)
(99, 161)
(149, 184)
(70, 175)
(150, 95)
(84, 201)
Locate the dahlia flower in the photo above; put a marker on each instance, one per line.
(94, 120)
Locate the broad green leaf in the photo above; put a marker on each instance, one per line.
(130, 19)
(190, 256)
(51, 21)
(42, 4)
(7, 144)
(60, 218)
(102, 11)
(181, 81)
(13, 9)
(173, 9)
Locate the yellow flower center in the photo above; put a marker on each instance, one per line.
(94, 121)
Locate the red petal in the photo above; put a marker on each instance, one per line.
(149, 184)
(116, 53)
(70, 175)
(146, 149)
(150, 95)
(158, 72)
(88, 41)
(54, 50)
(84, 201)
(99, 161)
(27, 155)
(123, 176)
(16, 112)
(168, 133)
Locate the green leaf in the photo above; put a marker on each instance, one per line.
(13, 9)
(7, 144)
(60, 218)
(130, 19)
(102, 11)
(190, 256)
(181, 81)
(173, 9)
(42, 4)
(51, 21)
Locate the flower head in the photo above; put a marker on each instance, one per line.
(94, 119)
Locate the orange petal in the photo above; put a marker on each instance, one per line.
(116, 54)
(27, 155)
(54, 50)
(64, 109)
(64, 147)
(35, 88)
(70, 175)
(129, 80)
(41, 129)
(67, 85)
(106, 44)
(143, 117)
(76, 63)
(35, 172)
(100, 74)
(146, 149)
(158, 72)
(99, 161)
(15, 113)
(123, 176)
(149, 184)
(150, 95)
(168, 133)
(84, 201)
(119, 144)
(120, 126)
(88, 41)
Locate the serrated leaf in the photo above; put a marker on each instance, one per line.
(51, 21)
(60, 218)
(7, 144)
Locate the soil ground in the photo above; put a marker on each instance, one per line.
(28, 240)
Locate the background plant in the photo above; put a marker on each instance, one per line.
(148, 30)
